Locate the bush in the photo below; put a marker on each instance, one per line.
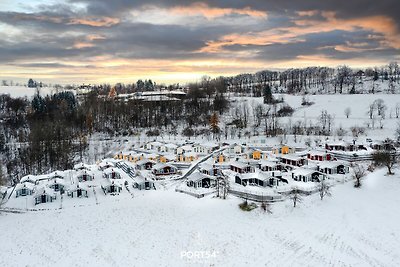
(245, 206)
(285, 111)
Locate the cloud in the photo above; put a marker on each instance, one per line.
(209, 12)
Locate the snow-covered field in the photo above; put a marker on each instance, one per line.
(22, 91)
(354, 227)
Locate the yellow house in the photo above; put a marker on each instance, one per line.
(128, 156)
(221, 158)
(187, 157)
(283, 150)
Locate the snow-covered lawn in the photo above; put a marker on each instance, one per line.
(354, 227)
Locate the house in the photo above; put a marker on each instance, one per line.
(260, 178)
(333, 167)
(187, 157)
(319, 156)
(129, 156)
(209, 169)
(24, 189)
(56, 175)
(168, 148)
(84, 175)
(111, 186)
(283, 150)
(112, 173)
(166, 158)
(241, 167)
(293, 160)
(184, 149)
(307, 175)
(344, 146)
(57, 184)
(142, 183)
(164, 169)
(204, 149)
(78, 190)
(29, 179)
(44, 195)
(105, 165)
(150, 156)
(145, 164)
(81, 166)
(268, 165)
(236, 149)
(255, 154)
(221, 158)
(201, 180)
(154, 146)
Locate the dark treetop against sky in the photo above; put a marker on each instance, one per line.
(123, 40)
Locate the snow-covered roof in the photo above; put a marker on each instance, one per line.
(239, 164)
(269, 163)
(292, 157)
(170, 145)
(144, 161)
(75, 187)
(56, 174)
(162, 165)
(190, 154)
(83, 172)
(106, 164)
(25, 185)
(28, 178)
(197, 176)
(81, 166)
(111, 170)
(303, 171)
(44, 191)
(331, 164)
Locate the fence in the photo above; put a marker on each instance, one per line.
(355, 157)
(197, 195)
(255, 197)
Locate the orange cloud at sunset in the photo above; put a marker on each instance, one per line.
(94, 21)
(205, 10)
(377, 24)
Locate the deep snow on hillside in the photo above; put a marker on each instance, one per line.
(22, 91)
(354, 227)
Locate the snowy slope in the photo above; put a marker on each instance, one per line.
(355, 227)
(22, 91)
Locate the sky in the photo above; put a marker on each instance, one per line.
(97, 41)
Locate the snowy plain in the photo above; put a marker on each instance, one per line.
(353, 227)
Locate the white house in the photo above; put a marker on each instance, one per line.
(201, 180)
(44, 195)
(164, 169)
(204, 149)
(112, 173)
(168, 148)
(84, 175)
(57, 184)
(78, 190)
(184, 149)
(111, 186)
(24, 189)
(154, 146)
(307, 175)
(333, 167)
(81, 166)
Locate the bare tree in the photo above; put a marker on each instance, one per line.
(296, 197)
(324, 189)
(347, 112)
(266, 207)
(359, 173)
(385, 158)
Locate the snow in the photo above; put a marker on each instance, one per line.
(354, 227)
(22, 91)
